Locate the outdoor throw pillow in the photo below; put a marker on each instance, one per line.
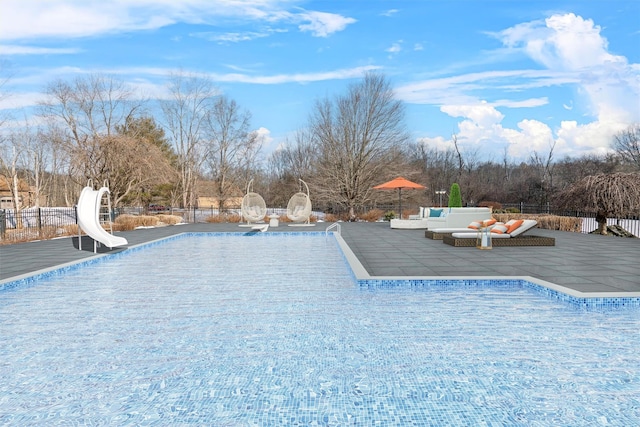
(475, 225)
(488, 222)
(499, 229)
(435, 213)
(517, 223)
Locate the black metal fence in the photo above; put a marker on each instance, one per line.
(35, 222)
(43, 222)
(630, 223)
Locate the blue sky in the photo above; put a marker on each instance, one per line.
(500, 75)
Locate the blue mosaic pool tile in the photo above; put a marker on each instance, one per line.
(585, 303)
(591, 303)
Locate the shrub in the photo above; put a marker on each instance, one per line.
(389, 216)
(284, 218)
(130, 222)
(548, 222)
(169, 219)
(455, 198)
(330, 218)
(125, 223)
(235, 218)
(371, 216)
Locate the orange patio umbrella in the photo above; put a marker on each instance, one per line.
(399, 183)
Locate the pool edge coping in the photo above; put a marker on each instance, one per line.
(362, 274)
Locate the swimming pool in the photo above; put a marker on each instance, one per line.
(273, 330)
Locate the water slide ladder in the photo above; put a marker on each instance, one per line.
(105, 211)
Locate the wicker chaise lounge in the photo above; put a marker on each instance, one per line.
(514, 237)
(528, 240)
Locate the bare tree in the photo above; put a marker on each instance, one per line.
(545, 166)
(461, 162)
(230, 147)
(185, 115)
(627, 145)
(357, 135)
(296, 159)
(5, 77)
(80, 113)
(607, 195)
(38, 157)
(11, 158)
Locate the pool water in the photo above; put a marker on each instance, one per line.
(271, 330)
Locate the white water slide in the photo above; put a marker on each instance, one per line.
(89, 218)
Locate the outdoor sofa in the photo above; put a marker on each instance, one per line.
(457, 217)
(429, 218)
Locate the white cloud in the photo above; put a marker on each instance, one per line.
(20, 100)
(26, 19)
(461, 89)
(525, 103)
(482, 129)
(390, 12)
(264, 135)
(149, 82)
(395, 47)
(574, 54)
(35, 50)
(32, 19)
(564, 42)
(322, 24)
(482, 115)
(232, 37)
(590, 138)
(439, 143)
(570, 43)
(345, 73)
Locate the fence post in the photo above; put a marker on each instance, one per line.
(3, 224)
(39, 217)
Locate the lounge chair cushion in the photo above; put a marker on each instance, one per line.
(474, 235)
(527, 224)
(454, 230)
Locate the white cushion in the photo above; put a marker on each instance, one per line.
(526, 225)
(473, 235)
(453, 230)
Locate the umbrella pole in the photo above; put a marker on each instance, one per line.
(400, 201)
